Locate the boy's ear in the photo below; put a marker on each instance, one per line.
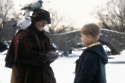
(90, 37)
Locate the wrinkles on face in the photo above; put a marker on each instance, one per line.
(40, 24)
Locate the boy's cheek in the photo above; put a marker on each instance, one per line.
(81, 40)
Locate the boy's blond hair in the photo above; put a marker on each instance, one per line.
(91, 29)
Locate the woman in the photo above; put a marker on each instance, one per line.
(31, 52)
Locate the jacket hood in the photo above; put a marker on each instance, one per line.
(99, 50)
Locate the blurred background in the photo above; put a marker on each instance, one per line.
(68, 16)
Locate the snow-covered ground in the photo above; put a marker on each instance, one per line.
(5, 73)
(64, 69)
(115, 69)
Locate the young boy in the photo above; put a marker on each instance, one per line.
(90, 67)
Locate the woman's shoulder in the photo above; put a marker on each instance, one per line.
(22, 34)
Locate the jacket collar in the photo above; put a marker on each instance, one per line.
(93, 44)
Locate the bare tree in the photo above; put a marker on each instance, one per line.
(112, 16)
(5, 7)
(55, 21)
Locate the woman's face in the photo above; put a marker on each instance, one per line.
(40, 24)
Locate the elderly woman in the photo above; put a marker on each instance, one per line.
(31, 52)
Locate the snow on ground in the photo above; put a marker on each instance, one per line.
(5, 73)
(115, 69)
(64, 69)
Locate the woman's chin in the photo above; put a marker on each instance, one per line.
(40, 29)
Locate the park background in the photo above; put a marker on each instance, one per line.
(68, 16)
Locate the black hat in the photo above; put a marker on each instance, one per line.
(41, 14)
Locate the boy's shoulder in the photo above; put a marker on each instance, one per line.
(97, 51)
(95, 48)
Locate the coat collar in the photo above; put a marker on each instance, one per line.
(93, 44)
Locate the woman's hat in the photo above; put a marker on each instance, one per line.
(41, 14)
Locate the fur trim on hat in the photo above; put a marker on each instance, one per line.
(41, 14)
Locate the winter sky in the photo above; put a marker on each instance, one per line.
(80, 11)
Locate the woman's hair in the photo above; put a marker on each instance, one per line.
(41, 14)
(91, 29)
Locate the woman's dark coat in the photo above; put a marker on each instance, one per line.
(26, 56)
(90, 67)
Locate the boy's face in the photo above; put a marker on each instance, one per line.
(86, 40)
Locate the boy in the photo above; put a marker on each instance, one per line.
(90, 67)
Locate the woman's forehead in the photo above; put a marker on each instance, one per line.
(41, 21)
